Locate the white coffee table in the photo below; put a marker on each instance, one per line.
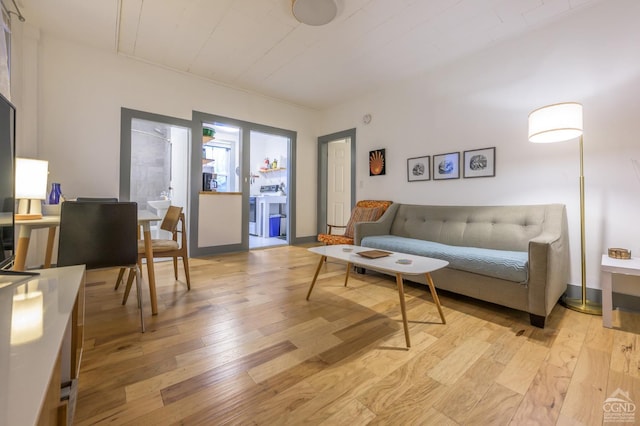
(610, 267)
(417, 265)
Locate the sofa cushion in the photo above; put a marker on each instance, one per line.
(362, 214)
(503, 264)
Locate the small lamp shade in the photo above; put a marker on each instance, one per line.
(314, 12)
(31, 178)
(555, 123)
(31, 187)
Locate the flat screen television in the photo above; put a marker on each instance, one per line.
(7, 176)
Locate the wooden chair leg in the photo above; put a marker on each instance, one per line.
(175, 267)
(132, 275)
(138, 276)
(185, 262)
(120, 275)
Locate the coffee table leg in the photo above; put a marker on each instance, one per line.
(315, 277)
(403, 309)
(435, 297)
(346, 277)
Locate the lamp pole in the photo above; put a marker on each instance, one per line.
(582, 305)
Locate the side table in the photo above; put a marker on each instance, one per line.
(609, 268)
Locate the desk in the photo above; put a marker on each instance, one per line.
(52, 222)
(24, 236)
(609, 268)
(36, 357)
(415, 265)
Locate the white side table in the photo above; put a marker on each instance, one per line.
(609, 267)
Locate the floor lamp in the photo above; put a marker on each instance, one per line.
(558, 123)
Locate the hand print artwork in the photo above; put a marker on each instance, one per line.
(377, 162)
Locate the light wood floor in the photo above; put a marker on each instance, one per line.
(245, 347)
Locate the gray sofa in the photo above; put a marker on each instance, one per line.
(515, 256)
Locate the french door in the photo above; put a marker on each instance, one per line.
(220, 210)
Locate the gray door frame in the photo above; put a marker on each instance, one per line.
(323, 154)
(126, 117)
(245, 171)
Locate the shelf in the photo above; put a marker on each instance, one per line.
(271, 170)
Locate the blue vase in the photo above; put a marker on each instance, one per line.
(54, 195)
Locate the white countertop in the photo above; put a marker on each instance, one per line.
(25, 368)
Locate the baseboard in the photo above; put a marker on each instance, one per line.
(620, 300)
(305, 240)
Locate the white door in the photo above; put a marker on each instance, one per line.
(339, 183)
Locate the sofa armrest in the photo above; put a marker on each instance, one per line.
(548, 269)
(380, 227)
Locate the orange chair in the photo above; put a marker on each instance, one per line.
(365, 211)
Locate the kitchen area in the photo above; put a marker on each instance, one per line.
(268, 185)
(268, 176)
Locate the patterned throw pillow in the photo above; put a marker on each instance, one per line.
(361, 214)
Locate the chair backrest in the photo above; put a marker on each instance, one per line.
(381, 204)
(96, 200)
(98, 235)
(183, 230)
(364, 211)
(170, 221)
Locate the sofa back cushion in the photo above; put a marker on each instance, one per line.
(493, 227)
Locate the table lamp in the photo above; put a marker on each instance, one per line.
(558, 123)
(31, 187)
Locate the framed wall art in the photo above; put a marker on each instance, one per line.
(377, 166)
(479, 163)
(419, 168)
(446, 166)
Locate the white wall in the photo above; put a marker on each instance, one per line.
(75, 113)
(484, 100)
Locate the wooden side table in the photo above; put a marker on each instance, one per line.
(609, 268)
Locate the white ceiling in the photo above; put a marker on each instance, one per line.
(257, 45)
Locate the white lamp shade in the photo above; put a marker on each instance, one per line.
(314, 12)
(555, 123)
(31, 178)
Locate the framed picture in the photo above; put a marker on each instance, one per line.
(480, 163)
(446, 166)
(419, 168)
(377, 166)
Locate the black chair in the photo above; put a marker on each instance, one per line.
(100, 235)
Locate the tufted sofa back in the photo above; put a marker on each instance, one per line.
(493, 227)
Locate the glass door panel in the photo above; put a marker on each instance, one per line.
(220, 158)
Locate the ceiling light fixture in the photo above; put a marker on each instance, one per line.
(314, 12)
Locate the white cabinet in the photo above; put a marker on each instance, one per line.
(267, 205)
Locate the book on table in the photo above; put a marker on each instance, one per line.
(374, 254)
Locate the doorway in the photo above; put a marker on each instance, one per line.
(268, 197)
(336, 178)
(255, 209)
(154, 163)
